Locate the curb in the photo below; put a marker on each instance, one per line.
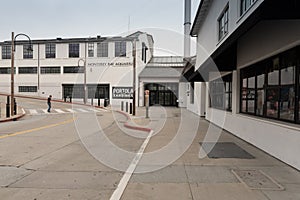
(53, 100)
(14, 118)
(127, 125)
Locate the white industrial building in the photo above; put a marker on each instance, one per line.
(246, 74)
(56, 67)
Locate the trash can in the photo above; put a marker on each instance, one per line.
(106, 102)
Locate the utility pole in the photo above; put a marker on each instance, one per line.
(134, 76)
(12, 71)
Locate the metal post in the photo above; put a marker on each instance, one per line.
(7, 108)
(130, 108)
(122, 105)
(12, 85)
(134, 76)
(98, 102)
(126, 106)
(85, 87)
(147, 103)
(38, 71)
(15, 107)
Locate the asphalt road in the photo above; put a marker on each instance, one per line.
(78, 152)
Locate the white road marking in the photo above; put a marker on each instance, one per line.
(82, 110)
(32, 111)
(71, 110)
(125, 179)
(45, 110)
(59, 111)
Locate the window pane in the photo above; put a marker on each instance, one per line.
(102, 49)
(260, 102)
(272, 102)
(273, 75)
(260, 81)
(73, 50)
(287, 103)
(50, 50)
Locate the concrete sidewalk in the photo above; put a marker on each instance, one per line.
(3, 118)
(230, 169)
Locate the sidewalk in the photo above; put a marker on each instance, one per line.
(3, 118)
(231, 168)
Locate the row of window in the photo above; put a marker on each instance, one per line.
(44, 70)
(100, 91)
(220, 91)
(271, 88)
(223, 19)
(74, 50)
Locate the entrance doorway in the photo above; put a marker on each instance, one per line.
(164, 94)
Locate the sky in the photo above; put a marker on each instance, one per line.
(48, 19)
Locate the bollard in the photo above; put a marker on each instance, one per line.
(126, 106)
(70, 99)
(130, 108)
(15, 107)
(7, 107)
(98, 102)
(92, 101)
(147, 103)
(122, 105)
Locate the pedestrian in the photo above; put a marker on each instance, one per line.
(49, 102)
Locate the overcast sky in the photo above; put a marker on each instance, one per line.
(42, 19)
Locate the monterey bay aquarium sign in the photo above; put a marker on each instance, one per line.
(122, 93)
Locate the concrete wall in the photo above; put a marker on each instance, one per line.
(207, 39)
(266, 39)
(52, 83)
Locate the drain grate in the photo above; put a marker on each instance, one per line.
(257, 180)
(225, 150)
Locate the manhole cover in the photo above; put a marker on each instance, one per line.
(225, 150)
(257, 180)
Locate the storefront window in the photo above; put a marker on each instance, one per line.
(287, 93)
(269, 88)
(221, 93)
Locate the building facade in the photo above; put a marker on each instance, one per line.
(248, 67)
(62, 67)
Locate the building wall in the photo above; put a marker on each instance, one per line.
(116, 75)
(267, 38)
(207, 38)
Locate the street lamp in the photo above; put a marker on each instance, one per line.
(84, 79)
(13, 45)
(134, 76)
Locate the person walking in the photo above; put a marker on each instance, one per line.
(49, 103)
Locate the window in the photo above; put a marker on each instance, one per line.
(144, 52)
(269, 88)
(221, 93)
(27, 70)
(120, 49)
(223, 23)
(102, 49)
(27, 51)
(74, 50)
(6, 52)
(99, 91)
(6, 70)
(192, 93)
(50, 50)
(50, 70)
(245, 5)
(73, 70)
(91, 50)
(27, 88)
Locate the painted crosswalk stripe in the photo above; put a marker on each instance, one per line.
(59, 111)
(71, 110)
(82, 110)
(45, 110)
(33, 111)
